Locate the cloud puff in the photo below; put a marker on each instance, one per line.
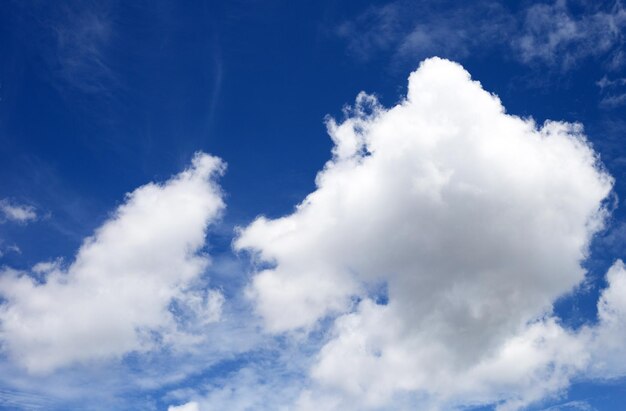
(17, 212)
(116, 295)
(440, 234)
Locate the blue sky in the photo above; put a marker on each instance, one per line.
(199, 210)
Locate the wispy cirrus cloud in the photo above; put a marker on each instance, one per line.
(612, 91)
(571, 406)
(553, 35)
(549, 34)
(14, 399)
(73, 42)
(414, 30)
(83, 34)
(13, 212)
(374, 30)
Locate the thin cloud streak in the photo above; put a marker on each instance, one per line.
(545, 34)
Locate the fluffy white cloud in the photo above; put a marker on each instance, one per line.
(115, 296)
(472, 219)
(17, 212)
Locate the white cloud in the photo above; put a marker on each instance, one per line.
(17, 212)
(190, 406)
(116, 294)
(474, 220)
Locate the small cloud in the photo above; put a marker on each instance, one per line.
(614, 94)
(190, 406)
(9, 249)
(19, 213)
(14, 249)
(604, 82)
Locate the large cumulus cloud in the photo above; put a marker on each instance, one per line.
(116, 295)
(473, 220)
